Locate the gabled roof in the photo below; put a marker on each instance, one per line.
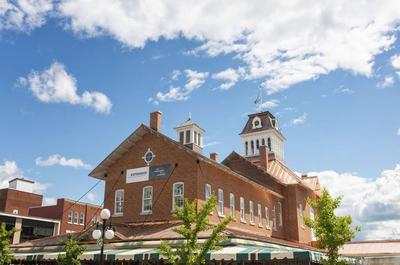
(138, 134)
(268, 122)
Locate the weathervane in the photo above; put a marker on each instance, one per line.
(259, 99)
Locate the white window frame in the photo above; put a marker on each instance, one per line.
(207, 192)
(176, 196)
(301, 213)
(242, 211)
(280, 221)
(312, 217)
(76, 218)
(70, 217)
(221, 202)
(274, 226)
(147, 199)
(82, 219)
(268, 221)
(251, 210)
(119, 203)
(259, 213)
(232, 204)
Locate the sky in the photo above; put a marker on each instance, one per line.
(77, 77)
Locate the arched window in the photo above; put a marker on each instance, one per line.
(252, 147)
(263, 141)
(269, 144)
(256, 122)
(257, 144)
(247, 147)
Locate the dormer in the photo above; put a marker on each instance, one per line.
(263, 129)
(190, 135)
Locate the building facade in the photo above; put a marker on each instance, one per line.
(73, 216)
(149, 174)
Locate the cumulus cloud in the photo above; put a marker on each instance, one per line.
(56, 85)
(273, 103)
(373, 203)
(211, 144)
(91, 196)
(59, 160)
(398, 132)
(230, 76)
(49, 201)
(194, 80)
(282, 43)
(395, 60)
(10, 170)
(299, 120)
(388, 81)
(23, 15)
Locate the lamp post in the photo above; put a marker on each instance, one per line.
(106, 232)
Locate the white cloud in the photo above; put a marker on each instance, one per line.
(398, 132)
(194, 80)
(273, 103)
(388, 81)
(10, 170)
(299, 120)
(343, 90)
(23, 15)
(280, 42)
(175, 75)
(49, 201)
(230, 76)
(211, 144)
(91, 196)
(373, 203)
(61, 161)
(56, 85)
(395, 60)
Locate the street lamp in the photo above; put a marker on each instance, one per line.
(105, 232)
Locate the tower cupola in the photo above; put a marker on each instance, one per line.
(190, 134)
(262, 128)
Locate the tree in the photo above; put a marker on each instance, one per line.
(191, 252)
(332, 231)
(6, 255)
(72, 251)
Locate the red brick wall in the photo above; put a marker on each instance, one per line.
(60, 212)
(19, 200)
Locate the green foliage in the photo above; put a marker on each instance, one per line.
(6, 255)
(72, 251)
(332, 231)
(191, 252)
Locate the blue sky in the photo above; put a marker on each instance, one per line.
(74, 84)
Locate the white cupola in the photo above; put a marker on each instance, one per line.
(190, 135)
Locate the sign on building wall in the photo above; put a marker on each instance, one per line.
(148, 173)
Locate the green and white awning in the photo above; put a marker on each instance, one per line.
(239, 253)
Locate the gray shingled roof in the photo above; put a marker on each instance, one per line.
(267, 122)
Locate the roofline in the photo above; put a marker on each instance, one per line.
(31, 217)
(22, 179)
(33, 193)
(199, 156)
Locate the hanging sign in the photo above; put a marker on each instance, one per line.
(148, 173)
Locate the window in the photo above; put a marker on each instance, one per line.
(274, 218)
(232, 204)
(267, 217)
(251, 209)
(313, 236)
(220, 202)
(69, 217)
(259, 215)
(181, 135)
(256, 122)
(147, 202)
(252, 147)
(247, 147)
(207, 192)
(199, 139)
(257, 145)
(263, 141)
(195, 137)
(242, 213)
(279, 213)
(81, 219)
(301, 213)
(178, 196)
(119, 202)
(269, 144)
(76, 217)
(187, 137)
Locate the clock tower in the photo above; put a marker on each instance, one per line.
(262, 128)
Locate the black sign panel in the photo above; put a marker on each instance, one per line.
(159, 172)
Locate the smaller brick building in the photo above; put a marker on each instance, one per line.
(74, 217)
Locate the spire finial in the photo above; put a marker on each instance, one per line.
(190, 115)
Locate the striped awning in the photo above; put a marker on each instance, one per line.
(239, 253)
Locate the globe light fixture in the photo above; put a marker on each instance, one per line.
(109, 234)
(105, 214)
(96, 234)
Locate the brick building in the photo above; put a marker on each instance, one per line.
(149, 174)
(73, 216)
